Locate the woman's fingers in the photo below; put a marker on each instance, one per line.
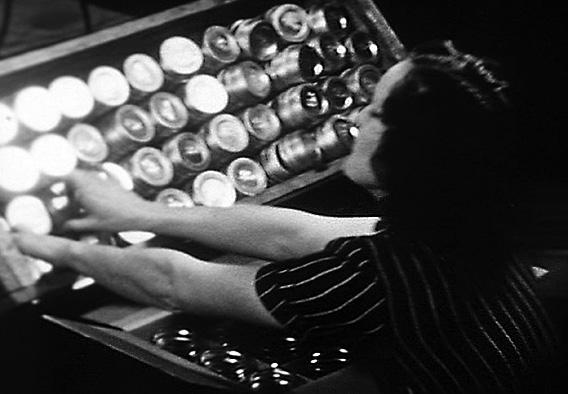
(82, 224)
(56, 250)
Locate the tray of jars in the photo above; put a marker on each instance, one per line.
(192, 114)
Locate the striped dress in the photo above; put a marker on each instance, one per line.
(444, 332)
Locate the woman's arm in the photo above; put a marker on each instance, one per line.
(268, 233)
(161, 277)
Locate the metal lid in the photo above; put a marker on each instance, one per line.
(88, 142)
(28, 213)
(190, 150)
(150, 165)
(227, 132)
(174, 198)
(363, 47)
(18, 170)
(72, 96)
(290, 22)
(258, 81)
(143, 72)
(333, 52)
(257, 38)
(108, 86)
(180, 55)
(221, 43)
(362, 81)
(8, 124)
(262, 122)
(205, 94)
(54, 155)
(213, 189)
(330, 17)
(168, 110)
(337, 93)
(117, 173)
(247, 176)
(136, 122)
(35, 108)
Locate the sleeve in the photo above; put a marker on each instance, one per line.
(332, 293)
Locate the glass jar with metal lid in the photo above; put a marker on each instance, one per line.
(269, 159)
(247, 176)
(335, 137)
(290, 22)
(337, 94)
(225, 136)
(262, 124)
(151, 171)
(144, 75)
(36, 111)
(126, 129)
(363, 48)
(189, 155)
(333, 52)
(330, 17)
(109, 88)
(257, 38)
(295, 64)
(180, 57)
(204, 96)
(28, 213)
(20, 172)
(213, 189)
(72, 96)
(246, 83)
(88, 142)
(219, 47)
(54, 155)
(299, 151)
(299, 106)
(169, 114)
(361, 80)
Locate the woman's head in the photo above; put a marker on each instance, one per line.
(435, 136)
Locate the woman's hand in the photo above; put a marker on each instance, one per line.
(107, 206)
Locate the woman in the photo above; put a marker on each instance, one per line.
(433, 282)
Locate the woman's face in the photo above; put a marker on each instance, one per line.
(357, 166)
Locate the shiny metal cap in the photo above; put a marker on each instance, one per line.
(188, 152)
(180, 56)
(205, 94)
(213, 189)
(19, 172)
(54, 155)
(151, 166)
(333, 52)
(257, 38)
(168, 112)
(28, 213)
(262, 123)
(290, 22)
(108, 86)
(227, 133)
(363, 48)
(143, 73)
(269, 159)
(245, 82)
(362, 81)
(296, 64)
(219, 47)
(35, 108)
(72, 96)
(335, 137)
(128, 128)
(337, 93)
(333, 18)
(247, 176)
(88, 142)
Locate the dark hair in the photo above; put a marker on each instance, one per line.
(445, 149)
